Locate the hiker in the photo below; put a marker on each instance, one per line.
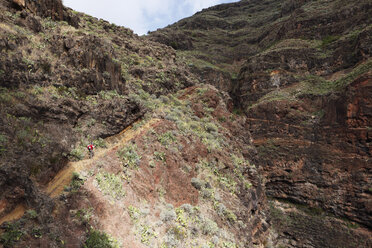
(90, 148)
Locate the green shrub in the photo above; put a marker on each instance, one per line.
(209, 227)
(238, 161)
(129, 156)
(166, 138)
(247, 185)
(179, 232)
(168, 214)
(84, 215)
(160, 156)
(100, 143)
(91, 122)
(110, 184)
(31, 214)
(5, 95)
(328, 40)
(11, 235)
(197, 183)
(228, 183)
(147, 233)
(110, 94)
(97, 239)
(182, 217)
(134, 213)
(207, 193)
(210, 127)
(76, 182)
(230, 216)
(36, 233)
(77, 153)
(229, 245)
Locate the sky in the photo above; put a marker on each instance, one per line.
(142, 15)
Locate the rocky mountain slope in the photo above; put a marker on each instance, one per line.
(301, 73)
(252, 131)
(173, 166)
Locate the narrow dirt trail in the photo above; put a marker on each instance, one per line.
(16, 214)
(63, 178)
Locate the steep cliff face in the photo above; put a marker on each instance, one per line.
(304, 84)
(173, 166)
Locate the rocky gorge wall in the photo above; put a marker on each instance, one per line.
(304, 83)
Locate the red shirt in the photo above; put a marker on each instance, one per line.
(90, 147)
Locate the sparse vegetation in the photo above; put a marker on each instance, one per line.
(101, 78)
(134, 213)
(168, 214)
(78, 153)
(160, 156)
(76, 182)
(129, 156)
(11, 235)
(32, 214)
(100, 143)
(147, 233)
(97, 239)
(328, 40)
(209, 227)
(110, 184)
(84, 215)
(166, 138)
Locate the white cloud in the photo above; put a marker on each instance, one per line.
(141, 15)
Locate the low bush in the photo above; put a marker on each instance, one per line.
(168, 214)
(110, 184)
(11, 235)
(129, 156)
(78, 153)
(97, 239)
(209, 227)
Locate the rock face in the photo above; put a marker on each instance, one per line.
(45, 8)
(313, 228)
(324, 162)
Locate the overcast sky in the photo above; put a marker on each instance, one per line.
(142, 15)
